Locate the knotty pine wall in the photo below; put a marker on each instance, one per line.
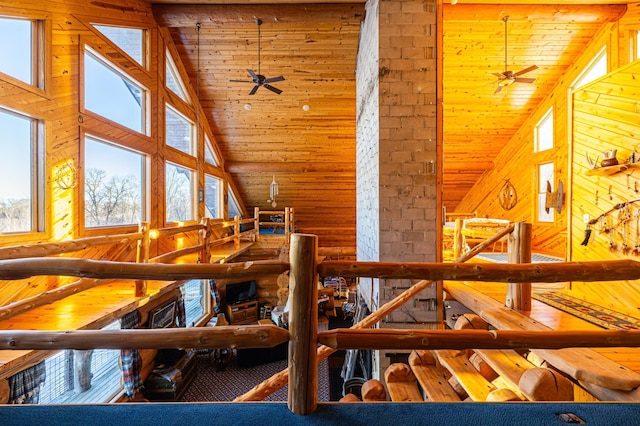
(59, 106)
(516, 162)
(601, 116)
(607, 116)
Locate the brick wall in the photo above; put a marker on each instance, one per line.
(396, 145)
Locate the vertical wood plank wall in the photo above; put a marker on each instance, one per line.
(516, 162)
(602, 116)
(68, 28)
(607, 116)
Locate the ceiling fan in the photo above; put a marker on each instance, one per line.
(259, 79)
(508, 77)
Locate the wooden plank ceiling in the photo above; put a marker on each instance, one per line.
(314, 46)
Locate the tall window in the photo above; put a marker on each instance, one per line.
(179, 187)
(546, 176)
(212, 187)
(113, 184)
(543, 136)
(130, 40)
(20, 49)
(179, 131)
(112, 94)
(19, 193)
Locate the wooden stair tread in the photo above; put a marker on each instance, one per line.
(433, 383)
(508, 363)
(476, 386)
(402, 384)
(583, 364)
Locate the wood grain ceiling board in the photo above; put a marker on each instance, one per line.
(314, 46)
(477, 122)
(310, 153)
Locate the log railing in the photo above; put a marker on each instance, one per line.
(302, 335)
(288, 220)
(140, 241)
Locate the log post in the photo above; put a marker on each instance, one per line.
(287, 224)
(458, 239)
(205, 238)
(256, 226)
(519, 251)
(303, 324)
(236, 233)
(142, 256)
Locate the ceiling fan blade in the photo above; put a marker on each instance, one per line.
(242, 81)
(526, 70)
(254, 90)
(499, 74)
(252, 74)
(525, 80)
(498, 89)
(274, 79)
(273, 89)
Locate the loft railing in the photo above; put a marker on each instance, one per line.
(302, 335)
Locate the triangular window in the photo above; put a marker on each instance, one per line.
(209, 154)
(130, 40)
(173, 80)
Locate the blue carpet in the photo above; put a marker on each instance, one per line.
(275, 413)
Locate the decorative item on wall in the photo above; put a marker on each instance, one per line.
(507, 195)
(273, 191)
(554, 200)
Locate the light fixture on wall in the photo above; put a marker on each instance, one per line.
(273, 191)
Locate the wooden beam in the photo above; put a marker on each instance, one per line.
(303, 324)
(609, 270)
(221, 14)
(18, 269)
(539, 13)
(289, 167)
(396, 339)
(252, 336)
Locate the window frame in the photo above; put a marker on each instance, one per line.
(193, 192)
(542, 217)
(145, 124)
(144, 186)
(547, 118)
(170, 65)
(192, 131)
(205, 302)
(37, 169)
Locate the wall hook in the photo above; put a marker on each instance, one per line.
(610, 195)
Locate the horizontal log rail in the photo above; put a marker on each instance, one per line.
(609, 270)
(173, 255)
(167, 232)
(62, 247)
(19, 269)
(219, 337)
(389, 339)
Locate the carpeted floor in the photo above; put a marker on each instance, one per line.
(211, 385)
(595, 314)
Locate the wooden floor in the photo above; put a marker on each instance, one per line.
(559, 320)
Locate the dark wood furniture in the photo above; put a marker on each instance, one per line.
(243, 312)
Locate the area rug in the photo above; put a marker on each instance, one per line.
(595, 314)
(211, 384)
